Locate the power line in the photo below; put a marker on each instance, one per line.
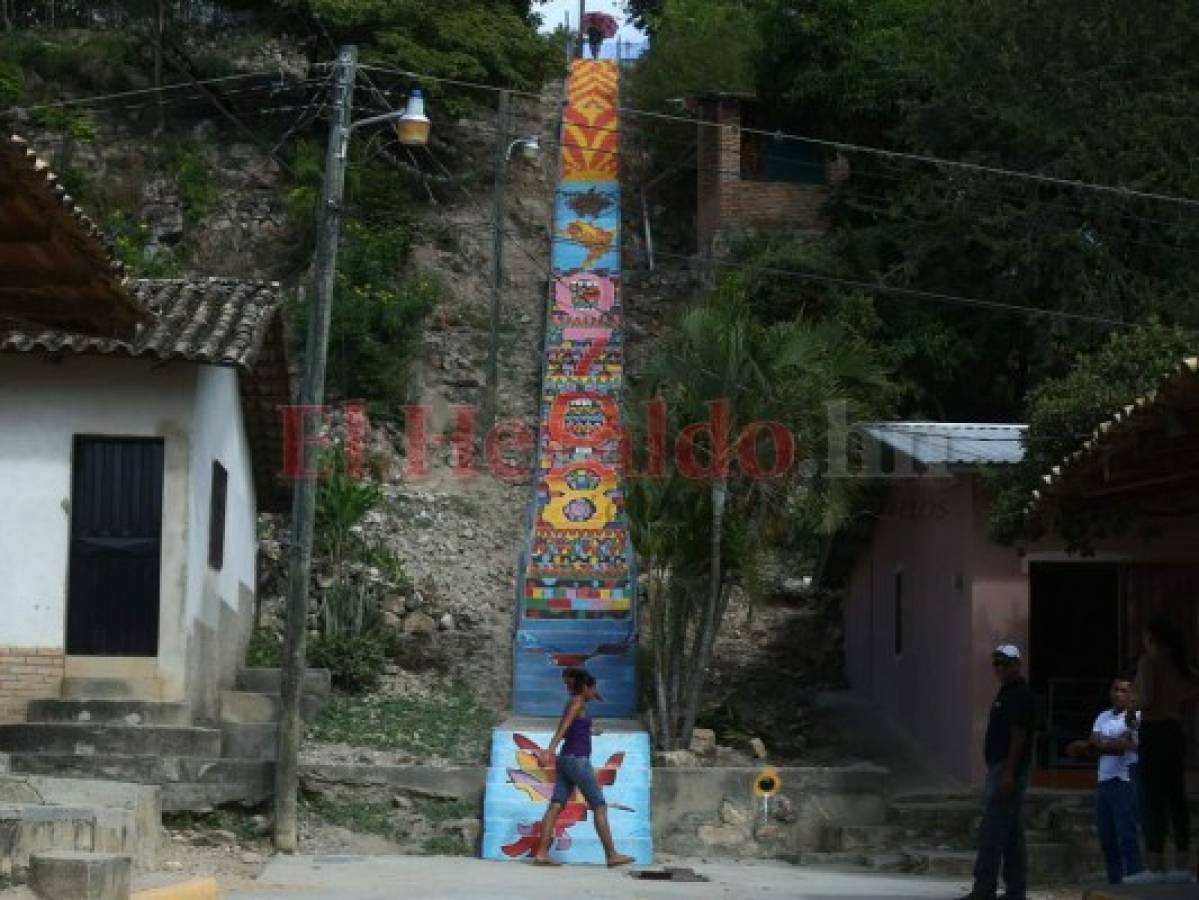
(844, 146)
(99, 98)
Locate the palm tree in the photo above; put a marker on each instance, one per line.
(727, 370)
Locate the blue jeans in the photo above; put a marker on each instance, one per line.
(576, 772)
(1116, 818)
(1001, 839)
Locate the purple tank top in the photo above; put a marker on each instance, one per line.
(577, 741)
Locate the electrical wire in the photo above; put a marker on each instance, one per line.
(844, 146)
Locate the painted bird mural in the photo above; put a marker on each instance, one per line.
(537, 784)
(596, 240)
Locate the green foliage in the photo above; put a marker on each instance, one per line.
(12, 83)
(355, 661)
(445, 845)
(445, 810)
(684, 61)
(1062, 413)
(1083, 92)
(91, 61)
(363, 816)
(452, 726)
(341, 501)
(184, 164)
(130, 240)
(484, 40)
(264, 650)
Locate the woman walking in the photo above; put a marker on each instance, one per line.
(574, 770)
(1165, 681)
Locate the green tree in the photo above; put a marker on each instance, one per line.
(1062, 413)
(702, 530)
(1079, 92)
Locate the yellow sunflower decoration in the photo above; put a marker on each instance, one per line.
(767, 782)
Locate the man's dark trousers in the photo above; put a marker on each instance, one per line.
(1116, 815)
(1001, 837)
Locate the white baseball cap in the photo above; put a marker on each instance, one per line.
(1010, 651)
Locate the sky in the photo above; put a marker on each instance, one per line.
(551, 14)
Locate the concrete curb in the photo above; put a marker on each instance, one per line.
(203, 889)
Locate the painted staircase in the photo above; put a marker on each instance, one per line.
(577, 583)
(117, 730)
(518, 791)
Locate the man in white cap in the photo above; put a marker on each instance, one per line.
(1007, 750)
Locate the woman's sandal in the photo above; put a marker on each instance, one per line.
(545, 862)
(620, 860)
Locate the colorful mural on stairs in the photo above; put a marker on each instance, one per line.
(519, 789)
(576, 603)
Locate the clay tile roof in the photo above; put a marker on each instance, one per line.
(1122, 422)
(219, 321)
(213, 321)
(55, 267)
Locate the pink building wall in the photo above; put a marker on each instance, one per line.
(962, 596)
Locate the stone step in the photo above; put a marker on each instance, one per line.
(75, 688)
(252, 706)
(29, 828)
(1046, 862)
(140, 769)
(183, 796)
(267, 681)
(76, 875)
(89, 738)
(123, 712)
(954, 817)
(868, 838)
(249, 740)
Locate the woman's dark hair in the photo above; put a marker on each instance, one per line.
(1168, 636)
(578, 678)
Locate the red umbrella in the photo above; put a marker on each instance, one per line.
(602, 22)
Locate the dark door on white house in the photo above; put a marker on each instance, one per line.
(116, 547)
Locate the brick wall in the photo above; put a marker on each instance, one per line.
(27, 673)
(728, 205)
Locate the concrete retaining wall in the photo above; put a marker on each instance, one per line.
(707, 811)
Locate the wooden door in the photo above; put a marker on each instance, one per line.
(116, 546)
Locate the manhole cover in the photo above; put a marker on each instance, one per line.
(667, 873)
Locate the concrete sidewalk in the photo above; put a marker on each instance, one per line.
(388, 877)
(1144, 892)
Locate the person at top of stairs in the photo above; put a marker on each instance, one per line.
(573, 768)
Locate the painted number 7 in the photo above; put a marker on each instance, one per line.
(598, 340)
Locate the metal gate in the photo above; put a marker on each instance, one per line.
(116, 544)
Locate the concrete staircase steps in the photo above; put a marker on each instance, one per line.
(111, 689)
(87, 738)
(117, 712)
(584, 847)
(29, 828)
(253, 706)
(268, 681)
(1050, 862)
(76, 875)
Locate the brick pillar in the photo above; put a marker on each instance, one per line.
(28, 673)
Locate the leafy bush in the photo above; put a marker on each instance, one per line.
(12, 83)
(182, 162)
(451, 725)
(355, 662)
(264, 650)
(130, 240)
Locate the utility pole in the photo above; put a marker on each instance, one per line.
(303, 509)
(490, 400)
(582, 12)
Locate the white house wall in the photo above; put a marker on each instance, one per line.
(204, 613)
(219, 604)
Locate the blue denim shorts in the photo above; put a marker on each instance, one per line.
(576, 772)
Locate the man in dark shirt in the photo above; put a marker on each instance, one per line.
(1007, 750)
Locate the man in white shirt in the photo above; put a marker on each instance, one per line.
(1115, 796)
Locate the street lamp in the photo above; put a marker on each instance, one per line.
(413, 129)
(530, 151)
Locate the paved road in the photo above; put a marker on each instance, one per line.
(389, 877)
